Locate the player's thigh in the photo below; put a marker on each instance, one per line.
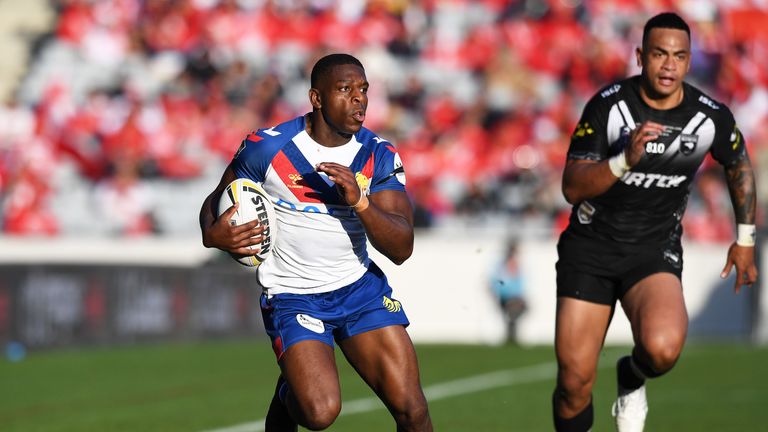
(386, 360)
(579, 334)
(309, 367)
(655, 307)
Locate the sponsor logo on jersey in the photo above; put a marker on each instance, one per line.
(708, 102)
(610, 90)
(295, 181)
(688, 143)
(648, 180)
(363, 182)
(310, 323)
(583, 129)
(391, 305)
(340, 211)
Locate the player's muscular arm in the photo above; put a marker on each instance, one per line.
(387, 215)
(217, 232)
(584, 179)
(388, 221)
(741, 185)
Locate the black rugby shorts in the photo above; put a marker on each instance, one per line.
(601, 271)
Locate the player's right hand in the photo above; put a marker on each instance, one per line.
(639, 137)
(234, 239)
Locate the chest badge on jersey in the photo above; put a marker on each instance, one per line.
(362, 181)
(688, 143)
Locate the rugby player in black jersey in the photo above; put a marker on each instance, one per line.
(630, 165)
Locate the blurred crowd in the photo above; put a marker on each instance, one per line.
(480, 97)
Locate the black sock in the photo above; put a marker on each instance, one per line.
(625, 373)
(581, 422)
(278, 418)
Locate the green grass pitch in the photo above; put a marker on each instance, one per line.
(200, 387)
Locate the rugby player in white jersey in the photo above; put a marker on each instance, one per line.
(335, 184)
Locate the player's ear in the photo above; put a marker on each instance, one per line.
(314, 98)
(639, 56)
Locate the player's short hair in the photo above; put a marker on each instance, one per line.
(325, 64)
(668, 20)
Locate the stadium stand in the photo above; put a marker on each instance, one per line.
(133, 100)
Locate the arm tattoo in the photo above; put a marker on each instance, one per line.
(741, 185)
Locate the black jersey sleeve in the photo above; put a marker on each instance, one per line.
(728, 145)
(589, 140)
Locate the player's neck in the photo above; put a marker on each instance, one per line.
(322, 133)
(658, 101)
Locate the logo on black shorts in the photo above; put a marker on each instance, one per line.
(673, 258)
(585, 213)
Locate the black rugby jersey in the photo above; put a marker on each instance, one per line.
(646, 205)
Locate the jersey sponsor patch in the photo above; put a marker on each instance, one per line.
(610, 90)
(582, 129)
(310, 323)
(363, 182)
(333, 210)
(688, 143)
(648, 180)
(708, 102)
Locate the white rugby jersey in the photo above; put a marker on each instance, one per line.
(320, 243)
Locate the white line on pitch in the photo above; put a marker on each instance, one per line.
(473, 384)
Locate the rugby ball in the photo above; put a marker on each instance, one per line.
(255, 203)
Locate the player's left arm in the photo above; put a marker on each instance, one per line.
(741, 186)
(387, 215)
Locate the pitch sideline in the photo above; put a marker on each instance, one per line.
(434, 392)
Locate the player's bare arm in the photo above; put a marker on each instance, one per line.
(218, 233)
(387, 217)
(584, 179)
(741, 185)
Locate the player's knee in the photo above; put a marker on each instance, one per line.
(663, 351)
(411, 412)
(575, 382)
(320, 412)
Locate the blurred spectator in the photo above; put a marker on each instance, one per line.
(508, 284)
(123, 202)
(711, 218)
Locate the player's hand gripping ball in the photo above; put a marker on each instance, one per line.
(255, 203)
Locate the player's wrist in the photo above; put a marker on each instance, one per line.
(618, 165)
(361, 203)
(745, 235)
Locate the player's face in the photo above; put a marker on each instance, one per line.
(344, 98)
(665, 59)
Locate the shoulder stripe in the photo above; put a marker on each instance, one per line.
(693, 124)
(628, 120)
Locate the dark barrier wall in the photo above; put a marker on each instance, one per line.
(62, 305)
